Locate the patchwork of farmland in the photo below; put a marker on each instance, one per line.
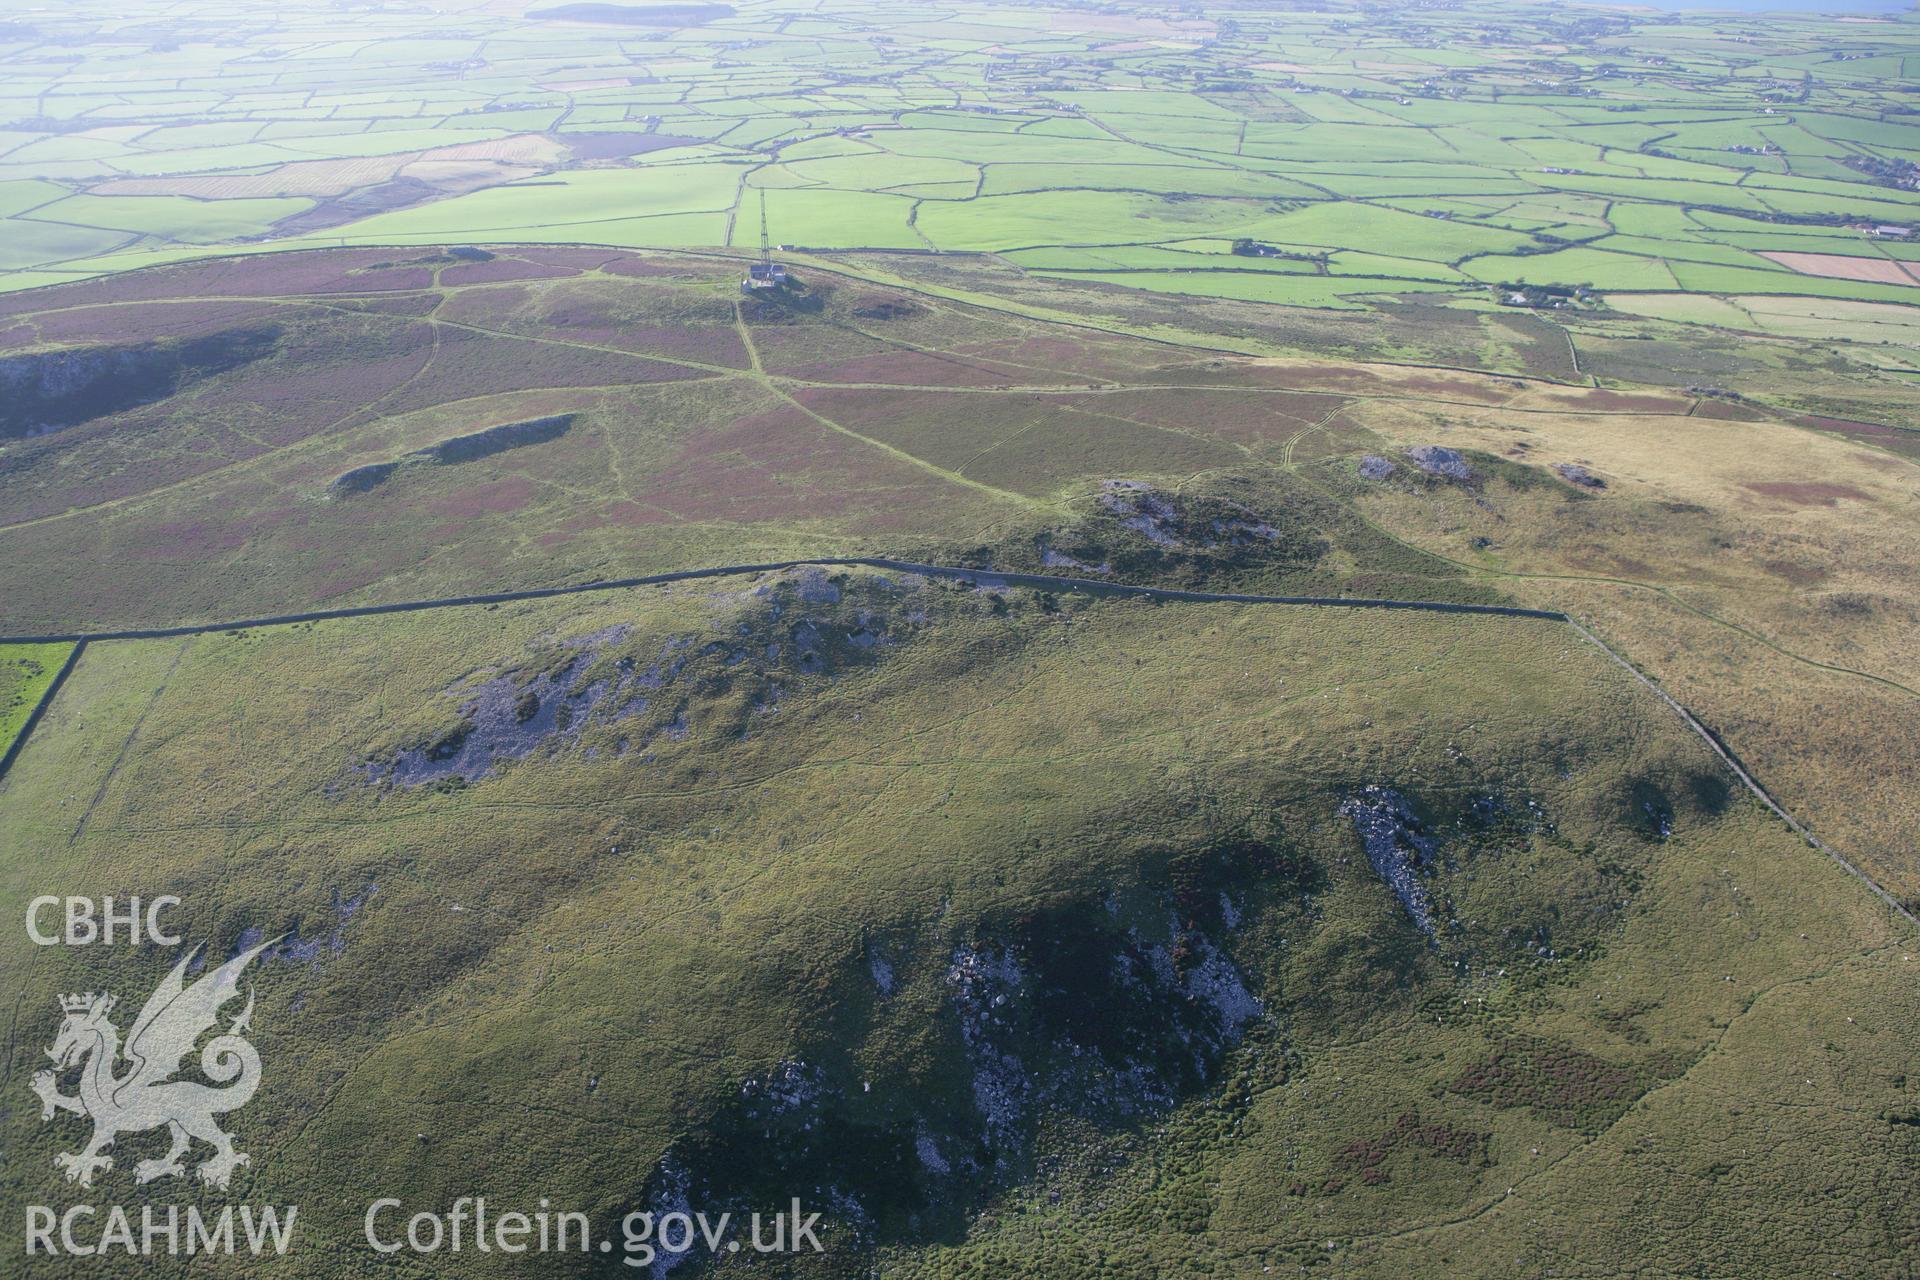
(1334, 158)
(1291, 644)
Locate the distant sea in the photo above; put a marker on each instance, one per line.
(1864, 7)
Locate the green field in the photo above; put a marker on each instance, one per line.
(1500, 151)
(26, 672)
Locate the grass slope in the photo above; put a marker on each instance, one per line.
(771, 880)
(1754, 566)
(26, 672)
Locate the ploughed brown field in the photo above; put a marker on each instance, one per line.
(1842, 266)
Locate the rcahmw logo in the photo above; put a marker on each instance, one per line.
(163, 1229)
(130, 1088)
(144, 1095)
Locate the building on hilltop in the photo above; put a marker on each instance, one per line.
(764, 275)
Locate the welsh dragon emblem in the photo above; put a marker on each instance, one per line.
(142, 1095)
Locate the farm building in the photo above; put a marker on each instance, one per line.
(764, 275)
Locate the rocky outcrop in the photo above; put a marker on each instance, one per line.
(44, 391)
(511, 435)
(455, 450)
(1397, 846)
(1575, 474)
(1438, 460)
